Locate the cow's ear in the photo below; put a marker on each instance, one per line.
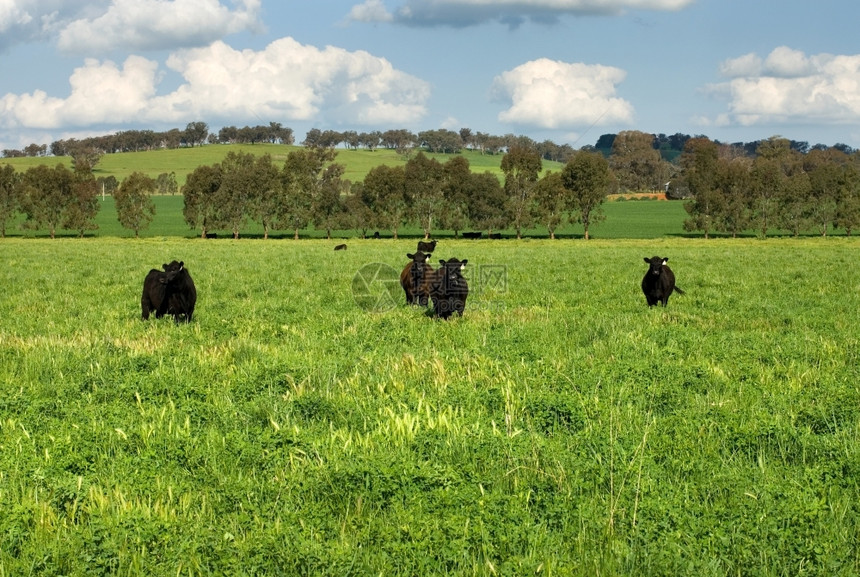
(410, 256)
(665, 260)
(181, 264)
(442, 261)
(464, 261)
(164, 266)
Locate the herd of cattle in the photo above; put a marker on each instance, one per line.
(171, 291)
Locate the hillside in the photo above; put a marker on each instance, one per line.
(182, 161)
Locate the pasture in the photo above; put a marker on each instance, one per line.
(183, 161)
(637, 219)
(560, 427)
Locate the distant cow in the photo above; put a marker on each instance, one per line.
(414, 279)
(340, 247)
(376, 234)
(170, 291)
(472, 234)
(659, 281)
(448, 288)
(427, 247)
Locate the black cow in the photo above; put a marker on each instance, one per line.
(427, 247)
(376, 234)
(659, 281)
(472, 234)
(340, 247)
(414, 278)
(448, 288)
(170, 291)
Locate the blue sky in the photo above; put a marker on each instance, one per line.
(563, 70)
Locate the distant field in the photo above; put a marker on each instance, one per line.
(182, 161)
(560, 427)
(639, 219)
(630, 219)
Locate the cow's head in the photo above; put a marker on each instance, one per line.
(418, 258)
(655, 264)
(454, 272)
(171, 271)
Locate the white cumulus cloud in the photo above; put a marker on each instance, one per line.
(93, 26)
(32, 20)
(101, 92)
(370, 11)
(559, 95)
(154, 24)
(285, 81)
(789, 86)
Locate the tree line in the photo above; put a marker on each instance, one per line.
(309, 190)
(780, 188)
(441, 140)
(727, 191)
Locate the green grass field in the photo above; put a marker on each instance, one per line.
(640, 219)
(182, 161)
(559, 428)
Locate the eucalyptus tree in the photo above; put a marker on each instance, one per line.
(486, 203)
(196, 133)
(9, 201)
(107, 185)
(45, 194)
(441, 140)
(310, 182)
(385, 192)
(327, 206)
(829, 177)
(587, 177)
(521, 167)
(200, 201)
(733, 181)
(357, 213)
(266, 192)
(456, 189)
(238, 190)
(552, 201)
(424, 179)
(166, 183)
(774, 162)
(700, 165)
(796, 205)
(83, 203)
(133, 200)
(848, 201)
(636, 164)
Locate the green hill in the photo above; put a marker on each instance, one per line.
(182, 161)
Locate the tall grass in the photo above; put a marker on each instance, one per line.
(560, 427)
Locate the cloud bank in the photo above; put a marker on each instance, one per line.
(92, 27)
(790, 86)
(285, 81)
